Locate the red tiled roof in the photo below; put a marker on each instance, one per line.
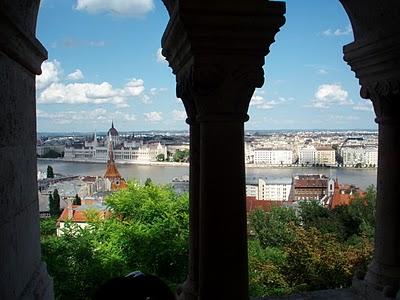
(122, 185)
(112, 171)
(313, 183)
(340, 199)
(78, 216)
(267, 205)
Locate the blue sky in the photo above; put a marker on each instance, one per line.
(104, 64)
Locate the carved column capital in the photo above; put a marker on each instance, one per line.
(377, 66)
(17, 35)
(217, 50)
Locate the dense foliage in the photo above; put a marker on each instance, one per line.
(311, 248)
(147, 231)
(290, 250)
(181, 155)
(54, 203)
(50, 172)
(52, 154)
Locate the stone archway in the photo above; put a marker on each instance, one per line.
(374, 56)
(23, 274)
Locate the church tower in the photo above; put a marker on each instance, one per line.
(112, 175)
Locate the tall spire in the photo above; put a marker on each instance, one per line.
(110, 148)
(95, 137)
(112, 123)
(112, 171)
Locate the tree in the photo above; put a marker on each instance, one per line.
(315, 215)
(51, 205)
(52, 154)
(77, 200)
(317, 261)
(148, 182)
(147, 231)
(265, 271)
(54, 204)
(181, 155)
(272, 228)
(50, 173)
(160, 157)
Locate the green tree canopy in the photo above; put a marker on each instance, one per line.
(181, 155)
(77, 200)
(50, 173)
(54, 204)
(147, 231)
(148, 181)
(272, 228)
(160, 157)
(52, 154)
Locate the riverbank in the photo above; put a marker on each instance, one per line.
(183, 164)
(119, 162)
(165, 172)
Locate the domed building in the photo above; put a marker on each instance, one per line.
(112, 131)
(113, 134)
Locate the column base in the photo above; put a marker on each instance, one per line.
(187, 291)
(40, 286)
(380, 282)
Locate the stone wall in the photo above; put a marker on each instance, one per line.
(22, 273)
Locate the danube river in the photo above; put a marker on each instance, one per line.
(164, 174)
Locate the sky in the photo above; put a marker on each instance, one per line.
(105, 64)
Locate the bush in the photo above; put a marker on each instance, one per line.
(148, 231)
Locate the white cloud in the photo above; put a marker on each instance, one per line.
(160, 58)
(259, 102)
(146, 99)
(129, 8)
(157, 91)
(96, 115)
(340, 119)
(322, 71)
(154, 116)
(134, 87)
(256, 100)
(338, 32)
(178, 115)
(328, 95)
(76, 43)
(76, 75)
(51, 72)
(80, 93)
(365, 106)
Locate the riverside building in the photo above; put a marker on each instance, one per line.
(125, 149)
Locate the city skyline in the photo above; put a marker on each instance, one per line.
(105, 64)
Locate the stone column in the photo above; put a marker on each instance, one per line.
(377, 65)
(22, 273)
(189, 289)
(216, 50)
(223, 229)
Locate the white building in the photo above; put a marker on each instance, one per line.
(273, 157)
(272, 189)
(123, 151)
(360, 156)
(371, 156)
(307, 155)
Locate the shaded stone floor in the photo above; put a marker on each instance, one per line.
(340, 294)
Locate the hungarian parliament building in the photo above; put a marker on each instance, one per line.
(124, 149)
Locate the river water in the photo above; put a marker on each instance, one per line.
(164, 174)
